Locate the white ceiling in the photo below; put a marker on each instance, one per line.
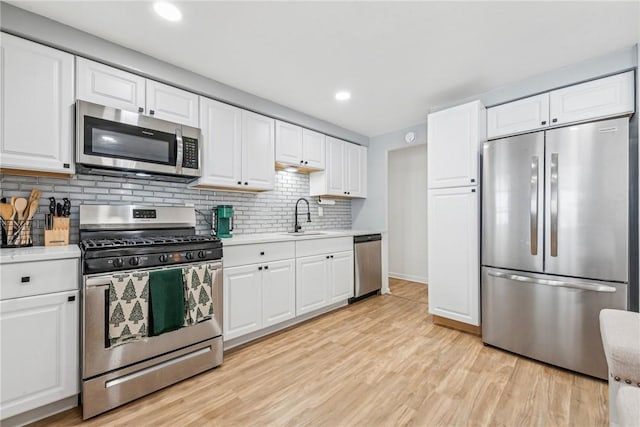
(397, 58)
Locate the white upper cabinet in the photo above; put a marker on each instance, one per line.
(237, 150)
(313, 149)
(345, 171)
(453, 248)
(518, 116)
(600, 98)
(258, 161)
(104, 85)
(454, 138)
(597, 99)
(221, 144)
(36, 108)
(169, 103)
(300, 147)
(288, 143)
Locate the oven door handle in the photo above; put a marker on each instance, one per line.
(98, 281)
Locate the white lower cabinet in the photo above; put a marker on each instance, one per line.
(39, 351)
(242, 294)
(322, 280)
(257, 296)
(311, 283)
(454, 254)
(278, 292)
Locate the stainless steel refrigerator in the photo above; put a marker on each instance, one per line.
(555, 241)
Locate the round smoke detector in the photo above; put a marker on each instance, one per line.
(410, 137)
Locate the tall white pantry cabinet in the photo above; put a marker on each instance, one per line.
(454, 141)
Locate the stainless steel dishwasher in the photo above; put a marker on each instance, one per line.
(368, 265)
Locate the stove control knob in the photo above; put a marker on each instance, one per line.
(189, 255)
(164, 258)
(118, 262)
(134, 260)
(201, 254)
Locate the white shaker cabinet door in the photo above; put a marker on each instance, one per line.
(221, 144)
(335, 177)
(258, 151)
(519, 116)
(607, 97)
(313, 149)
(311, 283)
(453, 144)
(288, 144)
(242, 296)
(454, 254)
(278, 292)
(39, 351)
(354, 164)
(172, 104)
(36, 108)
(104, 85)
(341, 276)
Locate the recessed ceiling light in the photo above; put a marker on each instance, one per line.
(167, 10)
(343, 95)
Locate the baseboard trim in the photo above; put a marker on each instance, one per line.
(461, 326)
(409, 277)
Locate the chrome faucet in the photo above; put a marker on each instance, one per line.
(297, 226)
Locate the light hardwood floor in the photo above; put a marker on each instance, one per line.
(379, 362)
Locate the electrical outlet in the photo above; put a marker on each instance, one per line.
(320, 211)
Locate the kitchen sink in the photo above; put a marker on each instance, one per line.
(304, 233)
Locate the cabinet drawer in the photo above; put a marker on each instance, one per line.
(258, 253)
(323, 246)
(39, 277)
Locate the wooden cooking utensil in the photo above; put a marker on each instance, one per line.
(35, 195)
(10, 224)
(33, 207)
(6, 212)
(20, 206)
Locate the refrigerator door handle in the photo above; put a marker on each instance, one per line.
(534, 205)
(553, 208)
(585, 286)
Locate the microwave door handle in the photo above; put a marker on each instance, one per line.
(179, 151)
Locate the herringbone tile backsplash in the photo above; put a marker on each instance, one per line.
(270, 211)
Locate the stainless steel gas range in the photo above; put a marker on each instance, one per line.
(119, 240)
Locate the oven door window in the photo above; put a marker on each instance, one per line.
(121, 141)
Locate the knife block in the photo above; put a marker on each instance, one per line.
(59, 235)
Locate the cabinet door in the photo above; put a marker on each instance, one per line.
(258, 151)
(278, 292)
(607, 97)
(453, 145)
(39, 351)
(341, 276)
(453, 262)
(101, 84)
(169, 103)
(288, 144)
(221, 144)
(36, 108)
(242, 295)
(519, 116)
(313, 149)
(334, 168)
(311, 283)
(353, 169)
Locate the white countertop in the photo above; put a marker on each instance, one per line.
(283, 236)
(38, 253)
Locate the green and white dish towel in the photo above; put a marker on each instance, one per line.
(128, 307)
(198, 282)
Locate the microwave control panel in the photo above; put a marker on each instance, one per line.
(190, 153)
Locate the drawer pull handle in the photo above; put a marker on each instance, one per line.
(261, 253)
(71, 298)
(266, 267)
(25, 279)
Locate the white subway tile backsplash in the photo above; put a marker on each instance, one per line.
(270, 211)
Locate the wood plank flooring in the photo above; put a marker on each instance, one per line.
(379, 362)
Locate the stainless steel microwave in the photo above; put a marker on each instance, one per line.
(110, 141)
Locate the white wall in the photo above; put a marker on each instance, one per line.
(407, 209)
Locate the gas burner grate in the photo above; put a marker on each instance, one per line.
(88, 244)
